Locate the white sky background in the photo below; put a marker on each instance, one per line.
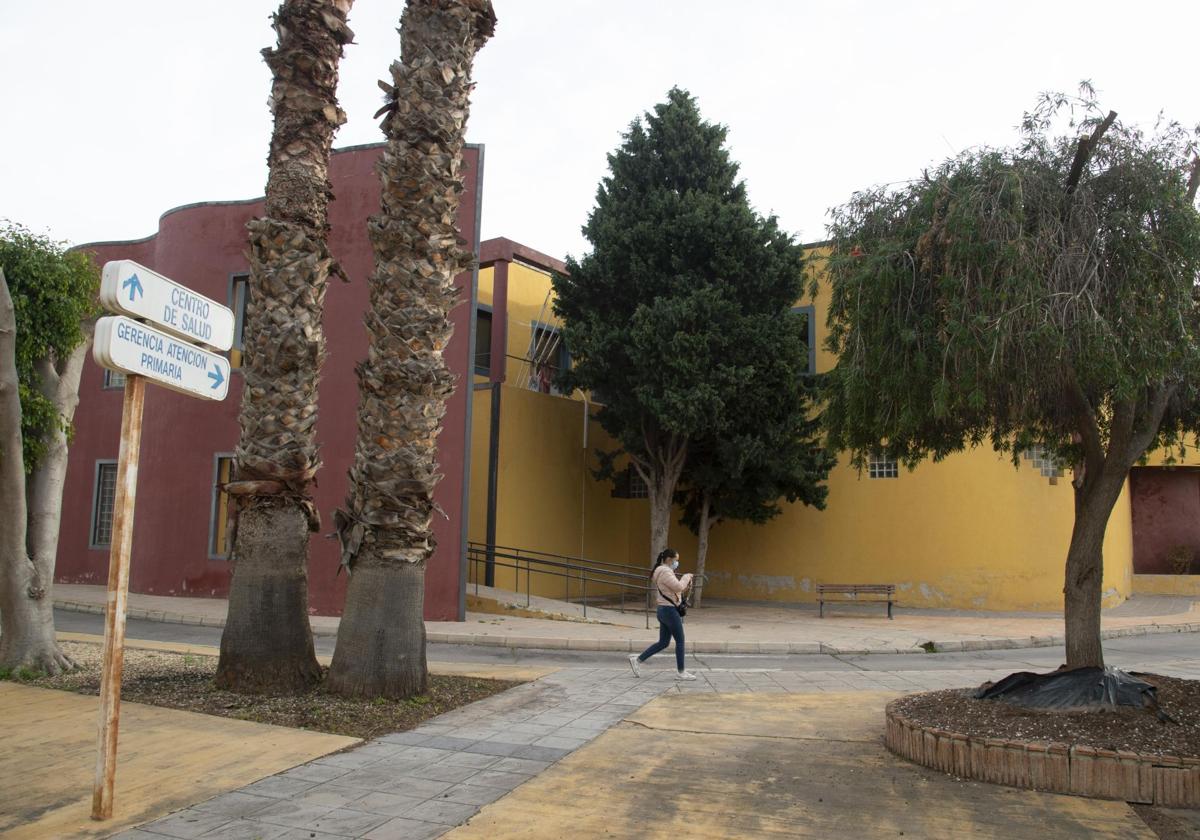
(114, 112)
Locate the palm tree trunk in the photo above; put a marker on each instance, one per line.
(267, 643)
(386, 531)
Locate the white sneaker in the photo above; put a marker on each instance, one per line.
(684, 675)
(635, 665)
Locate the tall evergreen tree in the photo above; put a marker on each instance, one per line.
(666, 317)
(770, 450)
(1043, 294)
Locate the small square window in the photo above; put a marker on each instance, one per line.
(881, 466)
(113, 379)
(238, 293)
(483, 342)
(104, 501)
(809, 314)
(637, 487)
(548, 358)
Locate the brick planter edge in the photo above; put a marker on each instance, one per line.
(1054, 768)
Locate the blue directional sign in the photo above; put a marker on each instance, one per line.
(128, 288)
(133, 348)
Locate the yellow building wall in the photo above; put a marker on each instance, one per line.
(970, 532)
(546, 500)
(528, 304)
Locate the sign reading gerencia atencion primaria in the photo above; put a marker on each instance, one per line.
(164, 352)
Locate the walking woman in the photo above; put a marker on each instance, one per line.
(669, 595)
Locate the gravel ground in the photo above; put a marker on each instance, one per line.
(184, 681)
(1122, 729)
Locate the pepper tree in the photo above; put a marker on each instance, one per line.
(1043, 294)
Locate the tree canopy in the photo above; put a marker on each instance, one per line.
(54, 292)
(1039, 294)
(679, 320)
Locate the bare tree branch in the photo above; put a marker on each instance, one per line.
(1193, 181)
(1083, 152)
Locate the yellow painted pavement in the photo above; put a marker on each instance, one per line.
(763, 765)
(167, 759)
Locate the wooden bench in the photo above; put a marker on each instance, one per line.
(887, 590)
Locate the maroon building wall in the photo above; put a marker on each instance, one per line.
(203, 247)
(1166, 513)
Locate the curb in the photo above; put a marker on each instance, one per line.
(634, 645)
(1154, 779)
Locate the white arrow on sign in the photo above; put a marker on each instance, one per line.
(126, 345)
(134, 290)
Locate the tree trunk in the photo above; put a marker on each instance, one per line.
(1085, 567)
(386, 532)
(701, 550)
(26, 614)
(32, 640)
(661, 503)
(267, 644)
(380, 648)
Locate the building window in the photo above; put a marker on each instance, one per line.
(218, 546)
(1044, 462)
(628, 484)
(548, 357)
(239, 288)
(113, 379)
(881, 466)
(809, 314)
(483, 341)
(104, 499)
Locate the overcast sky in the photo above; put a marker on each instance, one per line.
(114, 112)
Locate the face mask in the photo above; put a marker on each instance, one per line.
(674, 565)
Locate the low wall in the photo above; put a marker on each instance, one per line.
(1054, 768)
(1166, 585)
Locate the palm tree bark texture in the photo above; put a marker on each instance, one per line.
(386, 530)
(267, 643)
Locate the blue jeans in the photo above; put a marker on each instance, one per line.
(669, 624)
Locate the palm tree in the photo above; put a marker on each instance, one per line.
(267, 643)
(386, 531)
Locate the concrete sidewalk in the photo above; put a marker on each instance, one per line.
(719, 627)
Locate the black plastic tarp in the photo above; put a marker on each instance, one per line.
(1075, 688)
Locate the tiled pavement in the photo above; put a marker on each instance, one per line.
(421, 783)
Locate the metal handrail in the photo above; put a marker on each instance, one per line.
(580, 561)
(564, 567)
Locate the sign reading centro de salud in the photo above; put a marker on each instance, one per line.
(134, 290)
(124, 344)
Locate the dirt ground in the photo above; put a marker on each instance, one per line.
(185, 681)
(1126, 728)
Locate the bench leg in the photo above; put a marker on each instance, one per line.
(889, 610)
(820, 609)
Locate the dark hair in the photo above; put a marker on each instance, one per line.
(663, 556)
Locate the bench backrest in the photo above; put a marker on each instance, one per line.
(867, 588)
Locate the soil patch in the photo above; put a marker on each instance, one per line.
(185, 681)
(1124, 728)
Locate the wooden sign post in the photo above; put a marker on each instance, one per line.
(118, 594)
(170, 359)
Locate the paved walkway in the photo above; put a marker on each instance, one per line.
(592, 752)
(722, 627)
